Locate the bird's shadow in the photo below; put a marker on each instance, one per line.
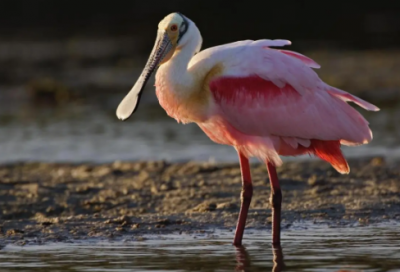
(243, 262)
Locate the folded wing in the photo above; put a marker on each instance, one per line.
(271, 92)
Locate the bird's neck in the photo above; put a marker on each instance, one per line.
(175, 72)
(177, 87)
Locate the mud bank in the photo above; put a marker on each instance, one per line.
(42, 202)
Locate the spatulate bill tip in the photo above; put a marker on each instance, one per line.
(122, 116)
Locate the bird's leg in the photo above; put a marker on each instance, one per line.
(275, 200)
(246, 195)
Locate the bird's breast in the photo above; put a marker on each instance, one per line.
(186, 104)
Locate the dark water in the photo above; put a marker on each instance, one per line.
(313, 249)
(72, 118)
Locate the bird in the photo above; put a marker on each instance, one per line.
(265, 102)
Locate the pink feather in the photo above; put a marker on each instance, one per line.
(257, 107)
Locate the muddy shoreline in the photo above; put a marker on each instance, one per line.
(46, 202)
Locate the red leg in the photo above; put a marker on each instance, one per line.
(275, 200)
(247, 193)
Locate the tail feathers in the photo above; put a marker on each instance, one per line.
(330, 151)
(345, 96)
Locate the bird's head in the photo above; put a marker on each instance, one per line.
(174, 33)
(174, 30)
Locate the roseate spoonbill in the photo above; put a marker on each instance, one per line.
(264, 102)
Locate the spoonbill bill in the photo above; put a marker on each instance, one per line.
(264, 102)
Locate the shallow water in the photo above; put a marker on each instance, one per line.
(313, 249)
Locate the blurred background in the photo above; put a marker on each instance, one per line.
(65, 66)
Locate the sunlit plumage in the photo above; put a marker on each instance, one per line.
(262, 101)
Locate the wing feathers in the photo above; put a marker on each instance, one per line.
(268, 43)
(345, 96)
(258, 107)
(306, 60)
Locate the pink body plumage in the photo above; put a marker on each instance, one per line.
(272, 103)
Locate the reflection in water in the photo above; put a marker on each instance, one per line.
(242, 259)
(278, 259)
(309, 248)
(244, 263)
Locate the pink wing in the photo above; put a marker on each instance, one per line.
(287, 99)
(307, 61)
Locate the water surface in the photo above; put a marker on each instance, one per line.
(304, 249)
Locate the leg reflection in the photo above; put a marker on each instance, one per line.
(278, 259)
(243, 259)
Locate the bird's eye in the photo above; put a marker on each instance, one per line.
(174, 28)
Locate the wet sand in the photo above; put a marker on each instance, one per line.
(43, 202)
